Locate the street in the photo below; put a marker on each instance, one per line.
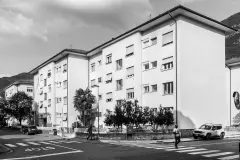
(125, 150)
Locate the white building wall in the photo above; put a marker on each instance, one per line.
(201, 75)
(24, 87)
(77, 78)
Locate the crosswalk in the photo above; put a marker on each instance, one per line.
(27, 144)
(191, 150)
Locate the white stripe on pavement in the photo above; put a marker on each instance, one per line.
(192, 150)
(180, 149)
(44, 142)
(33, 143)
(211, 151)
(218, 154)
(54, 142)
(22, 144)
(229, 157)
(10, 145)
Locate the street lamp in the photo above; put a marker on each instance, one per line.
(97, 107)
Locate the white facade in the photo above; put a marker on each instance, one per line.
(166, 61)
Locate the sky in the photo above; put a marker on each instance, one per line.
(32, 31)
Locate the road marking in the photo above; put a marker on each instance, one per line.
(211, 151)
(180, 149)
(44, 142)
(63, 147)
(10, 145)
(46, 155)
(36, 144)
(192, 150)
(206, 144)
(54, 142)
(70, 142)
(229, 157)
(218, 154)
(22, 144)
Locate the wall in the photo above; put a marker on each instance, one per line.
(77, 78)
(201, 75)
(24, 87)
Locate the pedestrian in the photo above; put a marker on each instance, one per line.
(176, 133)
(90, 132)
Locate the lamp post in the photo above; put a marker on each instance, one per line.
(97, 108)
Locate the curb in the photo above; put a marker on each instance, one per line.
(6, 149)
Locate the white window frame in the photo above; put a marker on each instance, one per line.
(65, 100)
(64, 68)
(168, 88)
(145, 43)
(65, 84)
(118, 86)
(93, 82)
(152, 67)
(45, 96)
(109, 78)
(152, 86)
(130, 95)
(119, 65)
(169, 41)
(108, 58)
(45, 82)
(128, 54)
(144, 66)
(109, 97)
(99, 79)
(99, 62)
(146, 88)
(49, 74)
(132, 74)
(49, 104)
(152, 40)
(49, 88)
(93, 67)
(167, 63)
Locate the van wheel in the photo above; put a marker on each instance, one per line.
(222, 136)
(208, 136)
(195, 137)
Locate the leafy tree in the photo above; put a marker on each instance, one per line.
(20, 106)
(128, 112)
(109, 118)
(146, 115)
(118, 116)
(169, 120)
(138, 116)
(160, 117)
(3, 110)
(83, 101)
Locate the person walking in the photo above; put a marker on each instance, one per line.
(176, 133)
(90, 132)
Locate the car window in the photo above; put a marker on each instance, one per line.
(207, 127)
(214, 128)
(219, 127)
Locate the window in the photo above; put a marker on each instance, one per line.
(64, 68)
(109, 78)
(65, 84)
(146, 89)
(59, 99)
(130, 72)
(49, 73)
(45, 109)
(154, 64)
(154, 41)
(99, 63)
(58, 69)
(49, 102)
(168, 88)
(130, 93)
(119, 84)
(119, 64)
(145, 43)
(129, 50)
(41, 77)
(99, 97)
(99, 79)
(45, 82)
(65, 100)
(109, 97)
(45, 96)
(29, 90)
(167, 63)
(167, 38)
(146, 66)
(93, 67)
(58, 84)
(92, 82)
(49, 88)
(109, 59)
(154, 88)
(41, 91)
(41, 104)
(119, 102)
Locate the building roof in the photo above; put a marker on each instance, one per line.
(174, 12)
(58, 56)
(18, 82)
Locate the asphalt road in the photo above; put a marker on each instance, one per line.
(76, 149)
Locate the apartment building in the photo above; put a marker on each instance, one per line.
(17, 86)
(165, 61)
(55, 83)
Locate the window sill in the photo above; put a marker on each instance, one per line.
(128, 77)
(109, 63)
(130, 54)
(149, 46)
(167, 44)
(119, 69)
(164, 70)
(149, 69)
(167, 94)
(119, 89)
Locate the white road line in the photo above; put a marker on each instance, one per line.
(54, 142)
(193, 150)
(204, 152)
(22, 144)
(180, 149)
(46, 155)
(70, 142)
(206, 144)
(44, 142)
(33, 143)
(229, 157)
(218, 154)
(63, 147)
(10, 145)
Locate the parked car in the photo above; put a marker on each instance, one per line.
(30, 130)
(209, 131)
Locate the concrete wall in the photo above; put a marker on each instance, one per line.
(201, 75)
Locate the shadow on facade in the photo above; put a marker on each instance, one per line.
(184, 122)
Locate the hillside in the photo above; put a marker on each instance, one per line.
(233, 40)
(5, 81)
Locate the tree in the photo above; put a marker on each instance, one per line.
(118, 116)
(160, 117)
(169, 120)
(20, 106)
(138, 116)
(83, 101)
(128, 112)
(109, 118)
(3, 111)
(146, 115)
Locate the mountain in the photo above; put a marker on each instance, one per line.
(233, 40)
(5, 81)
